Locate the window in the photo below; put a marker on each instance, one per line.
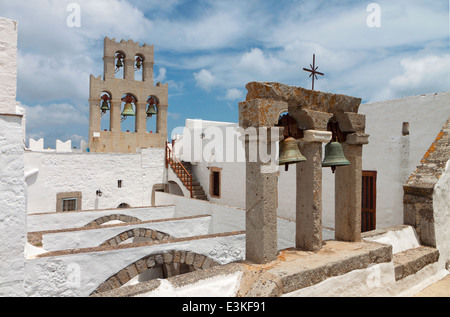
(69, 204)
(214, 182)
(368, 201)
(70, 201)
(119, 184)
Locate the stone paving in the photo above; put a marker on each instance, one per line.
(438, 289)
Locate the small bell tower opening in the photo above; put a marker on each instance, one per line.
(119, 71)
(152, 113)
(105, 109)
(138, 67)
(128, 107)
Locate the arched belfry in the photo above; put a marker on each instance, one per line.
(128, 129)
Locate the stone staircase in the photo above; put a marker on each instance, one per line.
(184, 172)
(197, 189)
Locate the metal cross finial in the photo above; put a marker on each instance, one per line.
(313, 71)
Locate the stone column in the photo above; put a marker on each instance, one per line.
(129, 69)
(116, 112)
(94, 116)
(348, 182)
(309, 192)
(161, 119)
(141, 117)
(261, 201)
(147, 71)
(258, 117)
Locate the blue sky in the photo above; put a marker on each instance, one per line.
(207, 51)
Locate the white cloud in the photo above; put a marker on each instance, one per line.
(44, 78)
(234, 94)
(161, 76)
(258, 63)
(53, 115)
(422, 75)
(204, 79)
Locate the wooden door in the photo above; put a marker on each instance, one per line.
(369, 201)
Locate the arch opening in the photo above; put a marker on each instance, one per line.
(162, 265)
(105, 108)
(119, 63)
(128, 108)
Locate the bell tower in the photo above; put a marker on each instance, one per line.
(126, 96)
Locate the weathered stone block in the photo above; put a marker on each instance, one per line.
(303, 98)
(141, 266)
(132, 271)
(198, 260)
(167, 257)
(122, 277)
(260, 113)
(351, 122)
(310, 119)
(190, 258)
(151, 262)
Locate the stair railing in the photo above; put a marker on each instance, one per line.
(179, 169)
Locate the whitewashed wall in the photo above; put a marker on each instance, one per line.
(220, 143)
(12, 207)
(8, 71)
(89, 172)
(394, 156)
(12, 180)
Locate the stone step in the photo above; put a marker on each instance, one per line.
(413, 260)
(201, 197)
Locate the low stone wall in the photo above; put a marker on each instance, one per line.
(228, 218)
(116, 234)
(78, 219)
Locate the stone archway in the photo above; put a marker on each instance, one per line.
(171, 263)
(143, 233)
(124, 218)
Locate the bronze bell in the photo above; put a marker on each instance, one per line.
(290, 153)
(119, 63)
(128, 110)
(334, 156)
(151, 111)
(105, 106)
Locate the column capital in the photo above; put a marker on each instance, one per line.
(357, 139)
(317, 136)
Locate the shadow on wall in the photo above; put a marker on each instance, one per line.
(175, 189)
